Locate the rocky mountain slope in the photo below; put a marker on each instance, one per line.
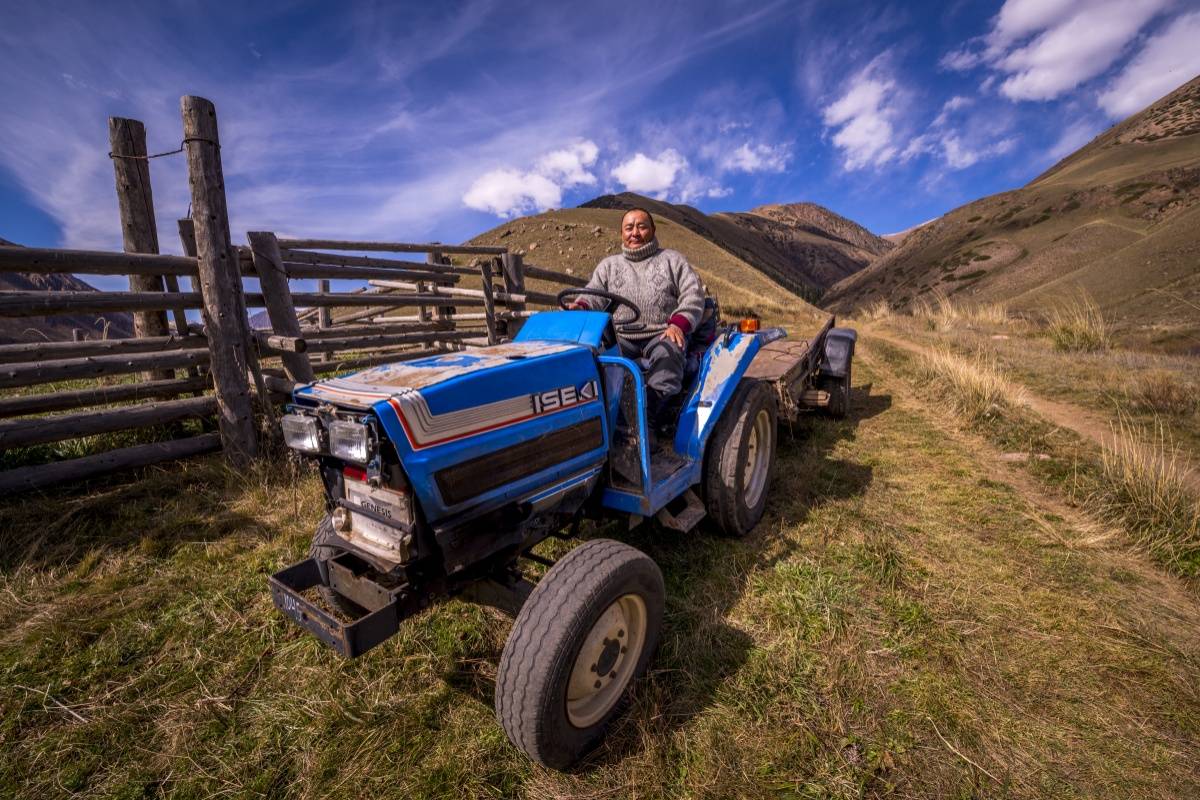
(1118, 219)
(801, 246)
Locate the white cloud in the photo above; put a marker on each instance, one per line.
(568, 167)
(1044, 48)
(652, 176)
(863, 118)
(507, 193)
(757, 158)
(1168, 60)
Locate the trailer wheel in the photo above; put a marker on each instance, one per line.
(740, 459)
(839, 395)
(321, 549)
(589, 628)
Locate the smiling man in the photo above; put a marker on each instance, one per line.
(664, 286)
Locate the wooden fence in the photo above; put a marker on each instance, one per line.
(222, 368)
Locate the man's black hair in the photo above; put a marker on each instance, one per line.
(649, 216)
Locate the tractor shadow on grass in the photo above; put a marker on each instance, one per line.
(706, 576)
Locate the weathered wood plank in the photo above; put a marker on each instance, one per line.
(553, 275)
(220, 280)
(439, 273)
(41, 351)
(47, 261)
(489, 307)
(79, 469)
(317, 334)
(390, 247)
(385, 340)
(69, 369)
(40, 303)
(39, 430)
(513, 266)
(277, 295)
(356, 300)
(100, 395)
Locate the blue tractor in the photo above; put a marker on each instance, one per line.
(442, 474)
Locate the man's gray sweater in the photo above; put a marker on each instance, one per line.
(664, 286)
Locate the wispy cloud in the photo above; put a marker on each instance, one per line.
(1042, 49)
(761, 157)
(1168, 60)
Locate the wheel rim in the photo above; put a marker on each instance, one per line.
(758, 458)
(606, 661)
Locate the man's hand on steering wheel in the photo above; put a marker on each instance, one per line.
(615, 301)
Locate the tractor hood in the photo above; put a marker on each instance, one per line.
(482, 425)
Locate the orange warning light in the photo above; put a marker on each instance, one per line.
(748, 325)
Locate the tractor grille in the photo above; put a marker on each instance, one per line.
(468, 479)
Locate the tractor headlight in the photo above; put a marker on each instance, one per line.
(302, 433)
(349, 441)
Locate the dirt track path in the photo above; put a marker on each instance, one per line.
(1081, 421)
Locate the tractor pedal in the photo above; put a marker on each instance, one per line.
(686, 519)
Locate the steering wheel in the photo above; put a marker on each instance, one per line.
(615, 301)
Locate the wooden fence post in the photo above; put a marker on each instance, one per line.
(441, 313)
(139, 231)
(268, 264)
(489, 307)
(220, 280)
(513, 265)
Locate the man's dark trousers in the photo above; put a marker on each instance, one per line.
(661, 361)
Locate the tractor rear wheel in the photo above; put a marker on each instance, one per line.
(740, 459)
(587, 631)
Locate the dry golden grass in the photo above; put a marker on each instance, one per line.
(976, 387)
(1149, 484)
(1163, 391)
(1079, 326)
(879, 311)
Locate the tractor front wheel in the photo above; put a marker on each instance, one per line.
(740, 459)
(587, 631)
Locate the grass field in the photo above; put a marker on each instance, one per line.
(915, 616)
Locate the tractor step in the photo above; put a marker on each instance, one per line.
(686, 519)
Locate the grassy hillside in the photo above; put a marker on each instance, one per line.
(800, 246)
(1117, 220)
(576, 239)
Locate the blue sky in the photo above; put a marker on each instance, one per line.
(434, 121)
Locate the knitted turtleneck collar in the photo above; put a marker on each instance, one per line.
(641, 253)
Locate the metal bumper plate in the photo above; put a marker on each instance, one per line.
(351, 639)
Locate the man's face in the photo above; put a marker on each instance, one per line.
(636, 229)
